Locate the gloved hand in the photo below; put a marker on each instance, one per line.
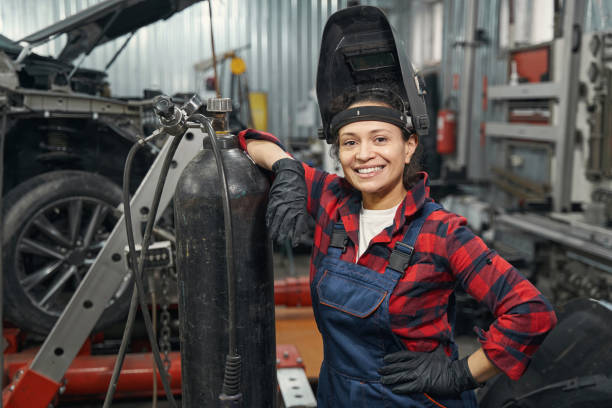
(286, 216)
(409, 372)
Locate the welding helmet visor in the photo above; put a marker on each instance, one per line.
(361, 54)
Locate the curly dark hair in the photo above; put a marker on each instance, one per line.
(390, 99)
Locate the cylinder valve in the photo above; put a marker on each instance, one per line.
(219, 107)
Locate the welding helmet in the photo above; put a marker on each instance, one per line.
(362, 54)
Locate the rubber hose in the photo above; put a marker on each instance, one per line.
(138, 291)
(231, 377)
(2, 139)
(229, 242)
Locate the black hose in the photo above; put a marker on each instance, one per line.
(2, 139)
(231, 379)
(227, 218)
(127, 331)
(138, 292)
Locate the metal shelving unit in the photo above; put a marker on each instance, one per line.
(563, 94)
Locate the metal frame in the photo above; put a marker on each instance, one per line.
(569, 236)
(295, 388)
(467, 85)
(573, 21)
(107, 276)
(544, 90)
(540, 133)
(565, 91)
(75, 102)
(292, 381)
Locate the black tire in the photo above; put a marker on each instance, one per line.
(45, 220)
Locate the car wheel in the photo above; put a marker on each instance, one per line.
(55, 224)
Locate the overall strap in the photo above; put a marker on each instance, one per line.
(338, 241)
(400, 257)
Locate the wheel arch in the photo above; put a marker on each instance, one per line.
(36, 145)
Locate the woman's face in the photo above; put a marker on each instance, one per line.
(373, 155)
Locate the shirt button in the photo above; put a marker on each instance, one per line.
(489, 261)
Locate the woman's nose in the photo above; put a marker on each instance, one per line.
(365, 152)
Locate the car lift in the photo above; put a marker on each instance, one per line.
(53, 369)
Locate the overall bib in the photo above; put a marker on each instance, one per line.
(351, 306)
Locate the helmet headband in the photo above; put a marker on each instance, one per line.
(364, 113)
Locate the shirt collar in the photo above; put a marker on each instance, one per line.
(416, 196)
(413, 202)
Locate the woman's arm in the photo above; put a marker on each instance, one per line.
(481, 368)
(523, 315)
(265, 153)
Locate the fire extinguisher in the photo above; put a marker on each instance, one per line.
(447, 128)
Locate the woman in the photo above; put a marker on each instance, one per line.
(386, 258)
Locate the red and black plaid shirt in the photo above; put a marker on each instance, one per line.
(446, 253)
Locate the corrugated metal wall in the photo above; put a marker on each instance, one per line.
(598, 15)
(283, 38)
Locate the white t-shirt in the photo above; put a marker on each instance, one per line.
(371, 223)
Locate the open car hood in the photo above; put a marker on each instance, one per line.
(8, 45)
(106, 21)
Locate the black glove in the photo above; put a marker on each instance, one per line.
(286, 216)
(409, 372)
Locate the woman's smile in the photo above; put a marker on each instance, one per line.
(369, 171)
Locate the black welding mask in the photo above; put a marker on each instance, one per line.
(361, 54)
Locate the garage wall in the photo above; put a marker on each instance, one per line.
(283, 36)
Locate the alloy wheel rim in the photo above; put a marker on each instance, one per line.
(58, 245)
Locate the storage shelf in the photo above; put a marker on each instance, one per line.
(540, 133)
(543, 90)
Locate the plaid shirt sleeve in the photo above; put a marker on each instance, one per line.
(523, 315)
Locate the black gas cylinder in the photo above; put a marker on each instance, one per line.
(201, 261)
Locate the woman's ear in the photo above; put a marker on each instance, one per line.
(410, 146)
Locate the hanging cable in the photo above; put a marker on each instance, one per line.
(2, 138)
(230, 395)
(138, 294)
(154, 317)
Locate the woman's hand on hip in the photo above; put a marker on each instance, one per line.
(409, 372)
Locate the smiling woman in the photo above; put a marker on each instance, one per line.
(386, 257)
(375, 158)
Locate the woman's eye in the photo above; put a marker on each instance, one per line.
(381, 139)
(348, 143)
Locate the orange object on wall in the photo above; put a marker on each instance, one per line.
(532, 64)
(447, 128)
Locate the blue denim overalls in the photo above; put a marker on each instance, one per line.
(351, 305)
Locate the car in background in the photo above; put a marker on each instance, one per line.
(66, 139)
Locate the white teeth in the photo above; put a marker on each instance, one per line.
(369, 170)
